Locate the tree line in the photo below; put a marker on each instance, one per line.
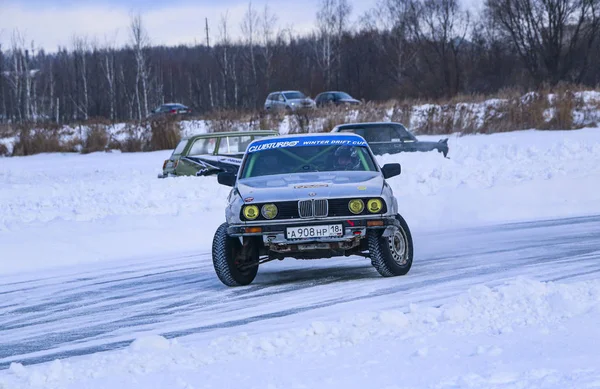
(427, 49)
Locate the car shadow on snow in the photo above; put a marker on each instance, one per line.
(311, 275)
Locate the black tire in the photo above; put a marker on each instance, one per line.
(224, 252)
(392, 256)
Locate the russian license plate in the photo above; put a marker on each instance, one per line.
(315, 231)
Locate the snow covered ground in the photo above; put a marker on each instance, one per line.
(96, 254)
(87, 208)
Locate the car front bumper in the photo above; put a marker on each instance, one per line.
(275, 237)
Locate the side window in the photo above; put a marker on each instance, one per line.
(203, 146)
(280, 97)
(271, 97)
(234, 144)
(400, 134)
(378, 135)
(357, 131)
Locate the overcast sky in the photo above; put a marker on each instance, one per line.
(53, 23)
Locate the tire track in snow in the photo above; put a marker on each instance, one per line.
(107, 307)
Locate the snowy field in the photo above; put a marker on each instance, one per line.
(98, 254)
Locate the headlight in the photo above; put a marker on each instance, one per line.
(251, 212)
(356, 206)
(269, 211)
(374, 205)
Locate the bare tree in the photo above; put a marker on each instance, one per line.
(80, 51)
(332, 19)
(441, 26)
(267, 25)
(394, 18)
(249, 27)
(547, 34)
(140, 42)
(107, 64)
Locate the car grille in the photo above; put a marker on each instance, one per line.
(288, 210)
(313, 208)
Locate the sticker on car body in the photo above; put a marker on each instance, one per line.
(309, 141)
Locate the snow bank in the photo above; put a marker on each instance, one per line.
(107, 205)
(449, 342)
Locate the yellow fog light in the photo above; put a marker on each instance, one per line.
(251, 212)
(269, 211)
(374, 205)
(356, 206)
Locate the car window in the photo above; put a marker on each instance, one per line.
(271, 97)
(203, 146)
(280, 97)
(378, 134)
(357, 131)
(294, 95)
(342, 95)
(402, 134)
(180, 147)
(234, 144)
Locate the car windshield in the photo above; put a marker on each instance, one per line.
(342, 95)
(294, 95)
(307, 159)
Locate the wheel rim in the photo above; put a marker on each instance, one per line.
(397, 244)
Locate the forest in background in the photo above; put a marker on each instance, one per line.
(426, 50)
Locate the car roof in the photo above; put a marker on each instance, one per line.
(284, 137)
(364, 124)
(230, 133)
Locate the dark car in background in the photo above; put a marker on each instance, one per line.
(335, 98)
(391, 138)
(171, 109)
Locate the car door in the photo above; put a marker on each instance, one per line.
(270, 101)
(280, 101)
(403, 140)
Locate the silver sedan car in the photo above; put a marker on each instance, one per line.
(309, 197)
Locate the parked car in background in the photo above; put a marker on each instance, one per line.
(335, 98)
(171, 109)
(391, 138)
(208, 154)
(288, 101)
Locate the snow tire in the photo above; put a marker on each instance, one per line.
(225, 249)
(392, 256)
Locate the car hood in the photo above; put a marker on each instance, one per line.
(291, 187)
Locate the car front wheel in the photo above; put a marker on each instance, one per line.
(234, 264)
(392, 255)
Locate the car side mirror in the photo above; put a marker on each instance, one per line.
(391, 170)
(226, 178)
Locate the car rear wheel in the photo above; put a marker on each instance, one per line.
(234, 264)
(392, 255)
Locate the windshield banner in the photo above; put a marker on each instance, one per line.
(307, 141)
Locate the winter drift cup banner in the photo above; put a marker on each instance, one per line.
(309, 141)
